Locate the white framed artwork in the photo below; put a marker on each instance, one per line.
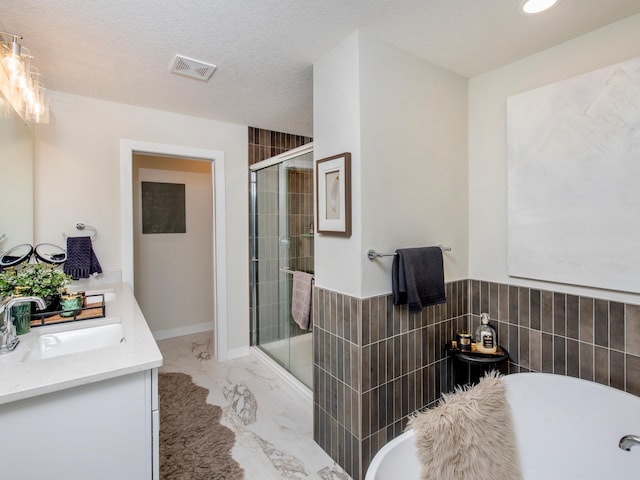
(333, 194)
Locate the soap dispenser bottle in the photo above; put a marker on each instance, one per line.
(486, 338)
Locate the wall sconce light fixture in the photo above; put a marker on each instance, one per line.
(20, 80)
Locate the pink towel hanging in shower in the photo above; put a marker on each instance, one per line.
(301, 299)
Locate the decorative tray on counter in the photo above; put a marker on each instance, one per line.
(94, 308)
(478, 357)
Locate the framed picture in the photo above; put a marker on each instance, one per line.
(333, 195)
(163, 208)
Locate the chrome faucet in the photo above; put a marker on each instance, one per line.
(629, 441)
(8, 338)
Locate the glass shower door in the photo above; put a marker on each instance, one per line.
(282, 242)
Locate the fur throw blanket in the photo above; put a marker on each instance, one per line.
(469, 435)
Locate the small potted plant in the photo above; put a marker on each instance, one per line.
(38, 279)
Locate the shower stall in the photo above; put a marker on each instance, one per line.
(281, 242)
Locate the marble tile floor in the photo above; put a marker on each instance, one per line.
(272, 421)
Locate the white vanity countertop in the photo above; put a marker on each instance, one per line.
(23, 378)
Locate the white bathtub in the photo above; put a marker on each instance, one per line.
(566, 429)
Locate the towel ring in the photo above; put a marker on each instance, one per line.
(82, 226)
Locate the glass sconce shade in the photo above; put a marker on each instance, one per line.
(21, 85)
(12, 61)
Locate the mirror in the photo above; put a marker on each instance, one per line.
(16, 171)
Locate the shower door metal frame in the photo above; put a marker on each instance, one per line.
(253, 248)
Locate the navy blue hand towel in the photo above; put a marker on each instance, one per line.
(417, 278)
(81, 259)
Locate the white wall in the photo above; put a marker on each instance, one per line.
(336, 129)
(487, 142)
(77, 179)
(414, 160)
(404, 121)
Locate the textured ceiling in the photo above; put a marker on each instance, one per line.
(121, 50)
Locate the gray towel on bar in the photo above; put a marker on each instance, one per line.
(81, 259)
(301, 299)
(417, 278)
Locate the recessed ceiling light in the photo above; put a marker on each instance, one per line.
(530, 7)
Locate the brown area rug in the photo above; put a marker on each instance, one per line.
(193, 444)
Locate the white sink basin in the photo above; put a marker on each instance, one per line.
(51, 345)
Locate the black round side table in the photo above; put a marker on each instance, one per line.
(469, 367)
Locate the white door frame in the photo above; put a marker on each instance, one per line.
(127, 150)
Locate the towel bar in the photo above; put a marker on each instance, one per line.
(289, 271)
(372, 254)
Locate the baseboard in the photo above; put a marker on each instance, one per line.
(300, 387)
(180, 331)
(237, 352)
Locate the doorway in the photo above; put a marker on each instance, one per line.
(128, 148)
(173, 244)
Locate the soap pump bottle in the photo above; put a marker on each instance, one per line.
(486, 338)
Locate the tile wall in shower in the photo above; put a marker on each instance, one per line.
(264, 144)
(268, 244)
(301, 228)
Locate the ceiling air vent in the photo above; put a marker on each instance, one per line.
(192, 68)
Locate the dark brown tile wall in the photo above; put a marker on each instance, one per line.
(553, 332)
(265, 144)
(300, 212)
(374, 364)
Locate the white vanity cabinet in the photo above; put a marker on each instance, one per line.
(105, 430)
(85, 414)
